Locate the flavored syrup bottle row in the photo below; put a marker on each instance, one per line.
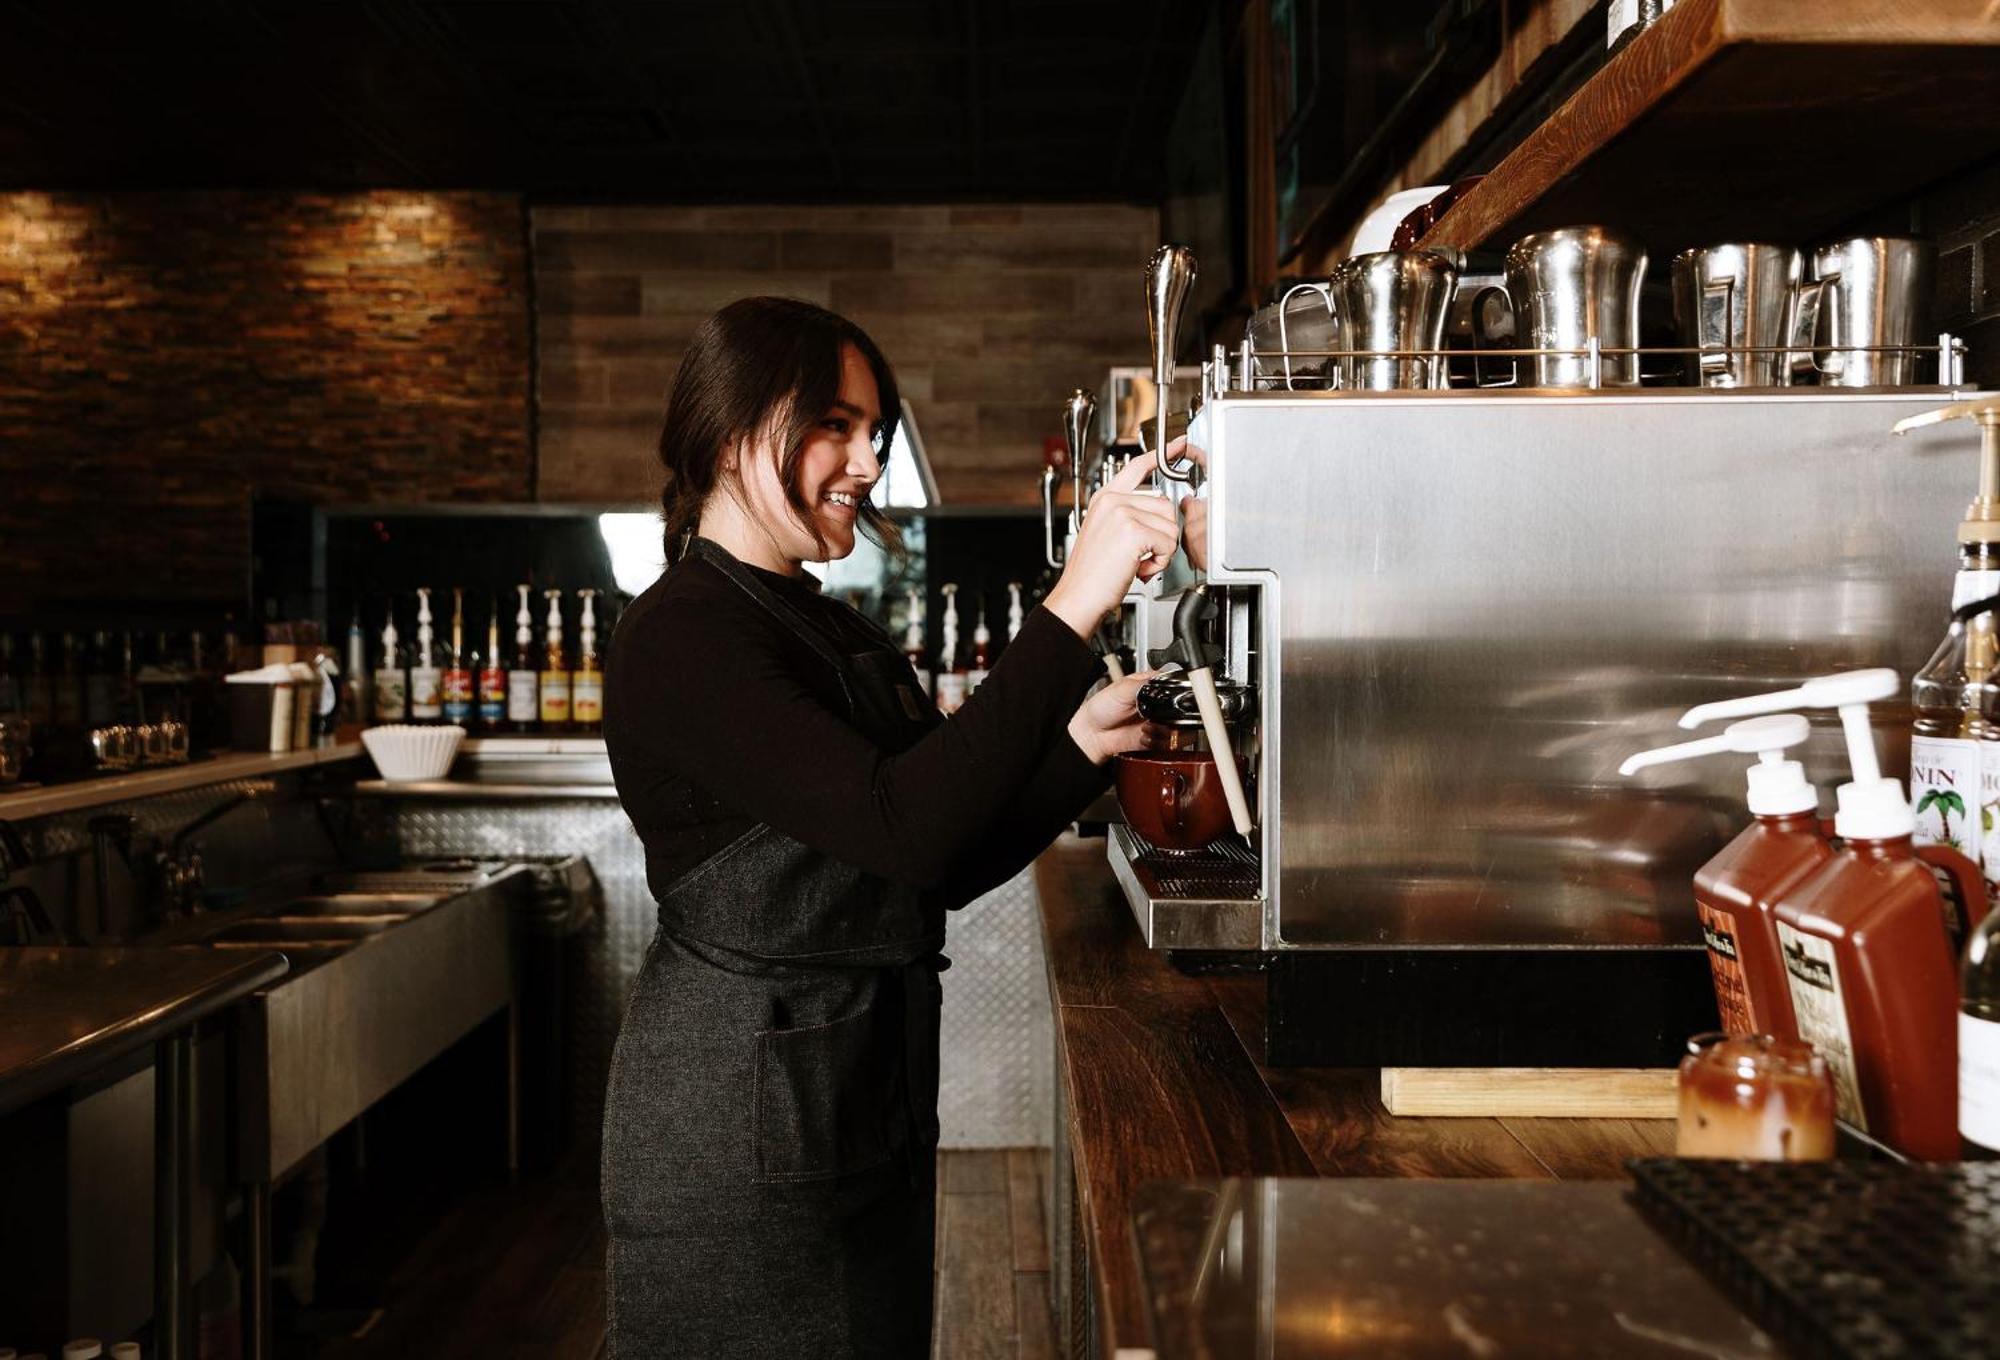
(538, 693)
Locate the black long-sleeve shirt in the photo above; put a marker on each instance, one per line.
(717, 717)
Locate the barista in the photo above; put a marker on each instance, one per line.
(771, 1122)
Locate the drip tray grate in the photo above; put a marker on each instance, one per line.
(1858, 1259)
(1222, 869)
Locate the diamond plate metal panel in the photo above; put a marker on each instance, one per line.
(995, 1080)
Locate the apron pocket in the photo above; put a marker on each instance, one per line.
(823, 1104)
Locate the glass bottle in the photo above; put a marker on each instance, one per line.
(68, 696)
(1979, 1043)
(1945, 754)
(426, 680)
(456, 682)
(493, 678)
(554, 678)
(392, 695)
(10, 682)
(523, 681)
(586, 699)
(38, 695)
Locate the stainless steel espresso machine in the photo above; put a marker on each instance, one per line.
(1448, 614)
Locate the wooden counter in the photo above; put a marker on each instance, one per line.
(83, 794)
(1161, 1077)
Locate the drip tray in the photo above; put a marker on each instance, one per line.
(1209, 899)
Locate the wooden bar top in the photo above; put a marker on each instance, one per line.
(1164, 1079)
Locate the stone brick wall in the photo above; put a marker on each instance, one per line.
(990, 314)
(161, 355)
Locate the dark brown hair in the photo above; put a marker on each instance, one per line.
(762, 366)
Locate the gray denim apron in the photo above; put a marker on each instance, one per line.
(771, 1127)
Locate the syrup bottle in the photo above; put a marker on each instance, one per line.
(913, 638)
(426, 680)
(493, 678)
(982, 652)
(1954, 777)
(1735, 890)
(554, 678)
(392, 697)
(523, 684)
(586, 688)
(1867, 952)
(950, 679)
(456, 684)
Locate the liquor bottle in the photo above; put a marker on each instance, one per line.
(523, 701)
(554, 677)
(586, 696)
(950, 679)
(456, 682)
(10, 682)
(38, 695)
(426, 680)
(493, 678)
(128, 705)
(392, 695)
(68, 696)
(913, 639)
(982, 652)
(100, 681)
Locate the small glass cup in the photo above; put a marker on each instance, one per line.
(1755, 1097)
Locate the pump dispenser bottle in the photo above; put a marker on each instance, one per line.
(913, 638)
(391, 693)
(426, 680)
(524, 676)
(982, 651)
(1867, 955)
(950, 679)
(1015, 615)
(1735, 890)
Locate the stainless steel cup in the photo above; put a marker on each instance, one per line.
(1393, 300)
(1731, 300)
(1866, 292)
(1569, 287)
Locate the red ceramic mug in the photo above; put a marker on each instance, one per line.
(1173, 799)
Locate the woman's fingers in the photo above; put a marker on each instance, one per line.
(1130, 478)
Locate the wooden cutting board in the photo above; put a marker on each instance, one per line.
(1531, 1092)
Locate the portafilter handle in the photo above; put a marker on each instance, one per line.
(1078, 412)
(1169, 278)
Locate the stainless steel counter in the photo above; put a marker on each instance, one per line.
(66, 1012)
(1290, 1269)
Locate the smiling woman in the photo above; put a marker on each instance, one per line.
(771, 1122)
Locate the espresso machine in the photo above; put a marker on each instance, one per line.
(1446, 615)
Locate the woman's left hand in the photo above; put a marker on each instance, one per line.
(1108, 722)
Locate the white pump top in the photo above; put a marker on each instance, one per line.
(1014, 615)
(1777, 786)
(389, 639)
(950, 626)
(553, 623)
(1870, 806)
(586, 626)
(524, 621)
(913, 627)
(980, 635)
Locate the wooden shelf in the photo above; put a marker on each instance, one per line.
(1753, 119)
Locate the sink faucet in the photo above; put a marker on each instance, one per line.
(179, 875)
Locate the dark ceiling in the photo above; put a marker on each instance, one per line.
(616, 99)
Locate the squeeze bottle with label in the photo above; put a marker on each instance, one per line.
(1734, 891)
(1949, 774)
(1867, 956)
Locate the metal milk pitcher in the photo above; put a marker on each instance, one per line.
(1866, 293)
(1737, 303)
(1572, 286)
(1393, 300)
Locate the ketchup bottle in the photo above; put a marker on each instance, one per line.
(1735, 890)
(1867, 944)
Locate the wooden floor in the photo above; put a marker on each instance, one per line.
(519, 1272)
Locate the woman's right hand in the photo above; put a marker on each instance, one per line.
(1128, 534)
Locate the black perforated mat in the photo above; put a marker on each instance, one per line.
(1846, 1258)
